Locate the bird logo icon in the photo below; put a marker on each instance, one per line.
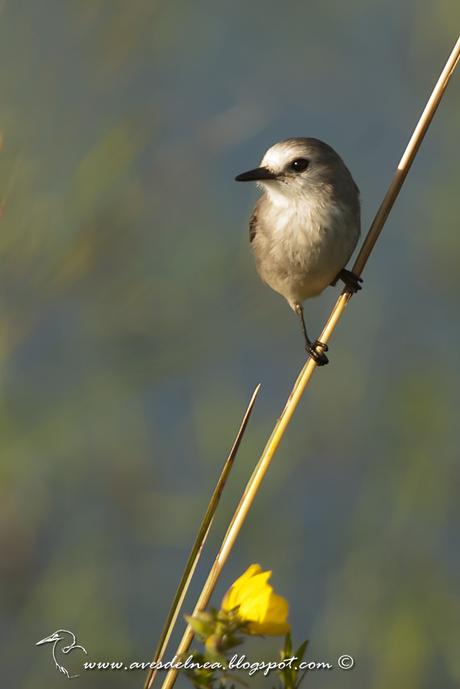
(64, 642)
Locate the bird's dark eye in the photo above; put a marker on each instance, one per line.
(299, 165)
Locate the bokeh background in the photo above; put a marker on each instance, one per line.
(133, 330)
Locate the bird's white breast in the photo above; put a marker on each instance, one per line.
(302, 244)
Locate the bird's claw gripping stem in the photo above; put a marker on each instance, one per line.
(316, 351)
(351, 281)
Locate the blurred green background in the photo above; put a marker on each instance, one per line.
(133, 329)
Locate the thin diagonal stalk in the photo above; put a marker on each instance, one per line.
(200, 540)
(306, 373)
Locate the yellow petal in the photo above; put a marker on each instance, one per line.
(269, 628)
(255, 603)
(233, 596)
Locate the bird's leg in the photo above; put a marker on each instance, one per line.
(352, 282)
(312, 347)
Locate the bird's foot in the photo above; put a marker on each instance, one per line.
(316, 351)
(352, 282)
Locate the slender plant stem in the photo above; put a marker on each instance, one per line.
(198, 545)
(306, 373)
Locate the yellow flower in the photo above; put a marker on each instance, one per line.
(257, 603)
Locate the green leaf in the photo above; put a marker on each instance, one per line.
(301, 650)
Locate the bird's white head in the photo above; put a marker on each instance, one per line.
(297, 168)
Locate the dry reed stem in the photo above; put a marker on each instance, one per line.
(198, 545)
(306, 373)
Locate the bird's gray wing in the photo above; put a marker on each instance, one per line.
(253, 222)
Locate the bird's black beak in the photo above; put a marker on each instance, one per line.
(254, 175)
